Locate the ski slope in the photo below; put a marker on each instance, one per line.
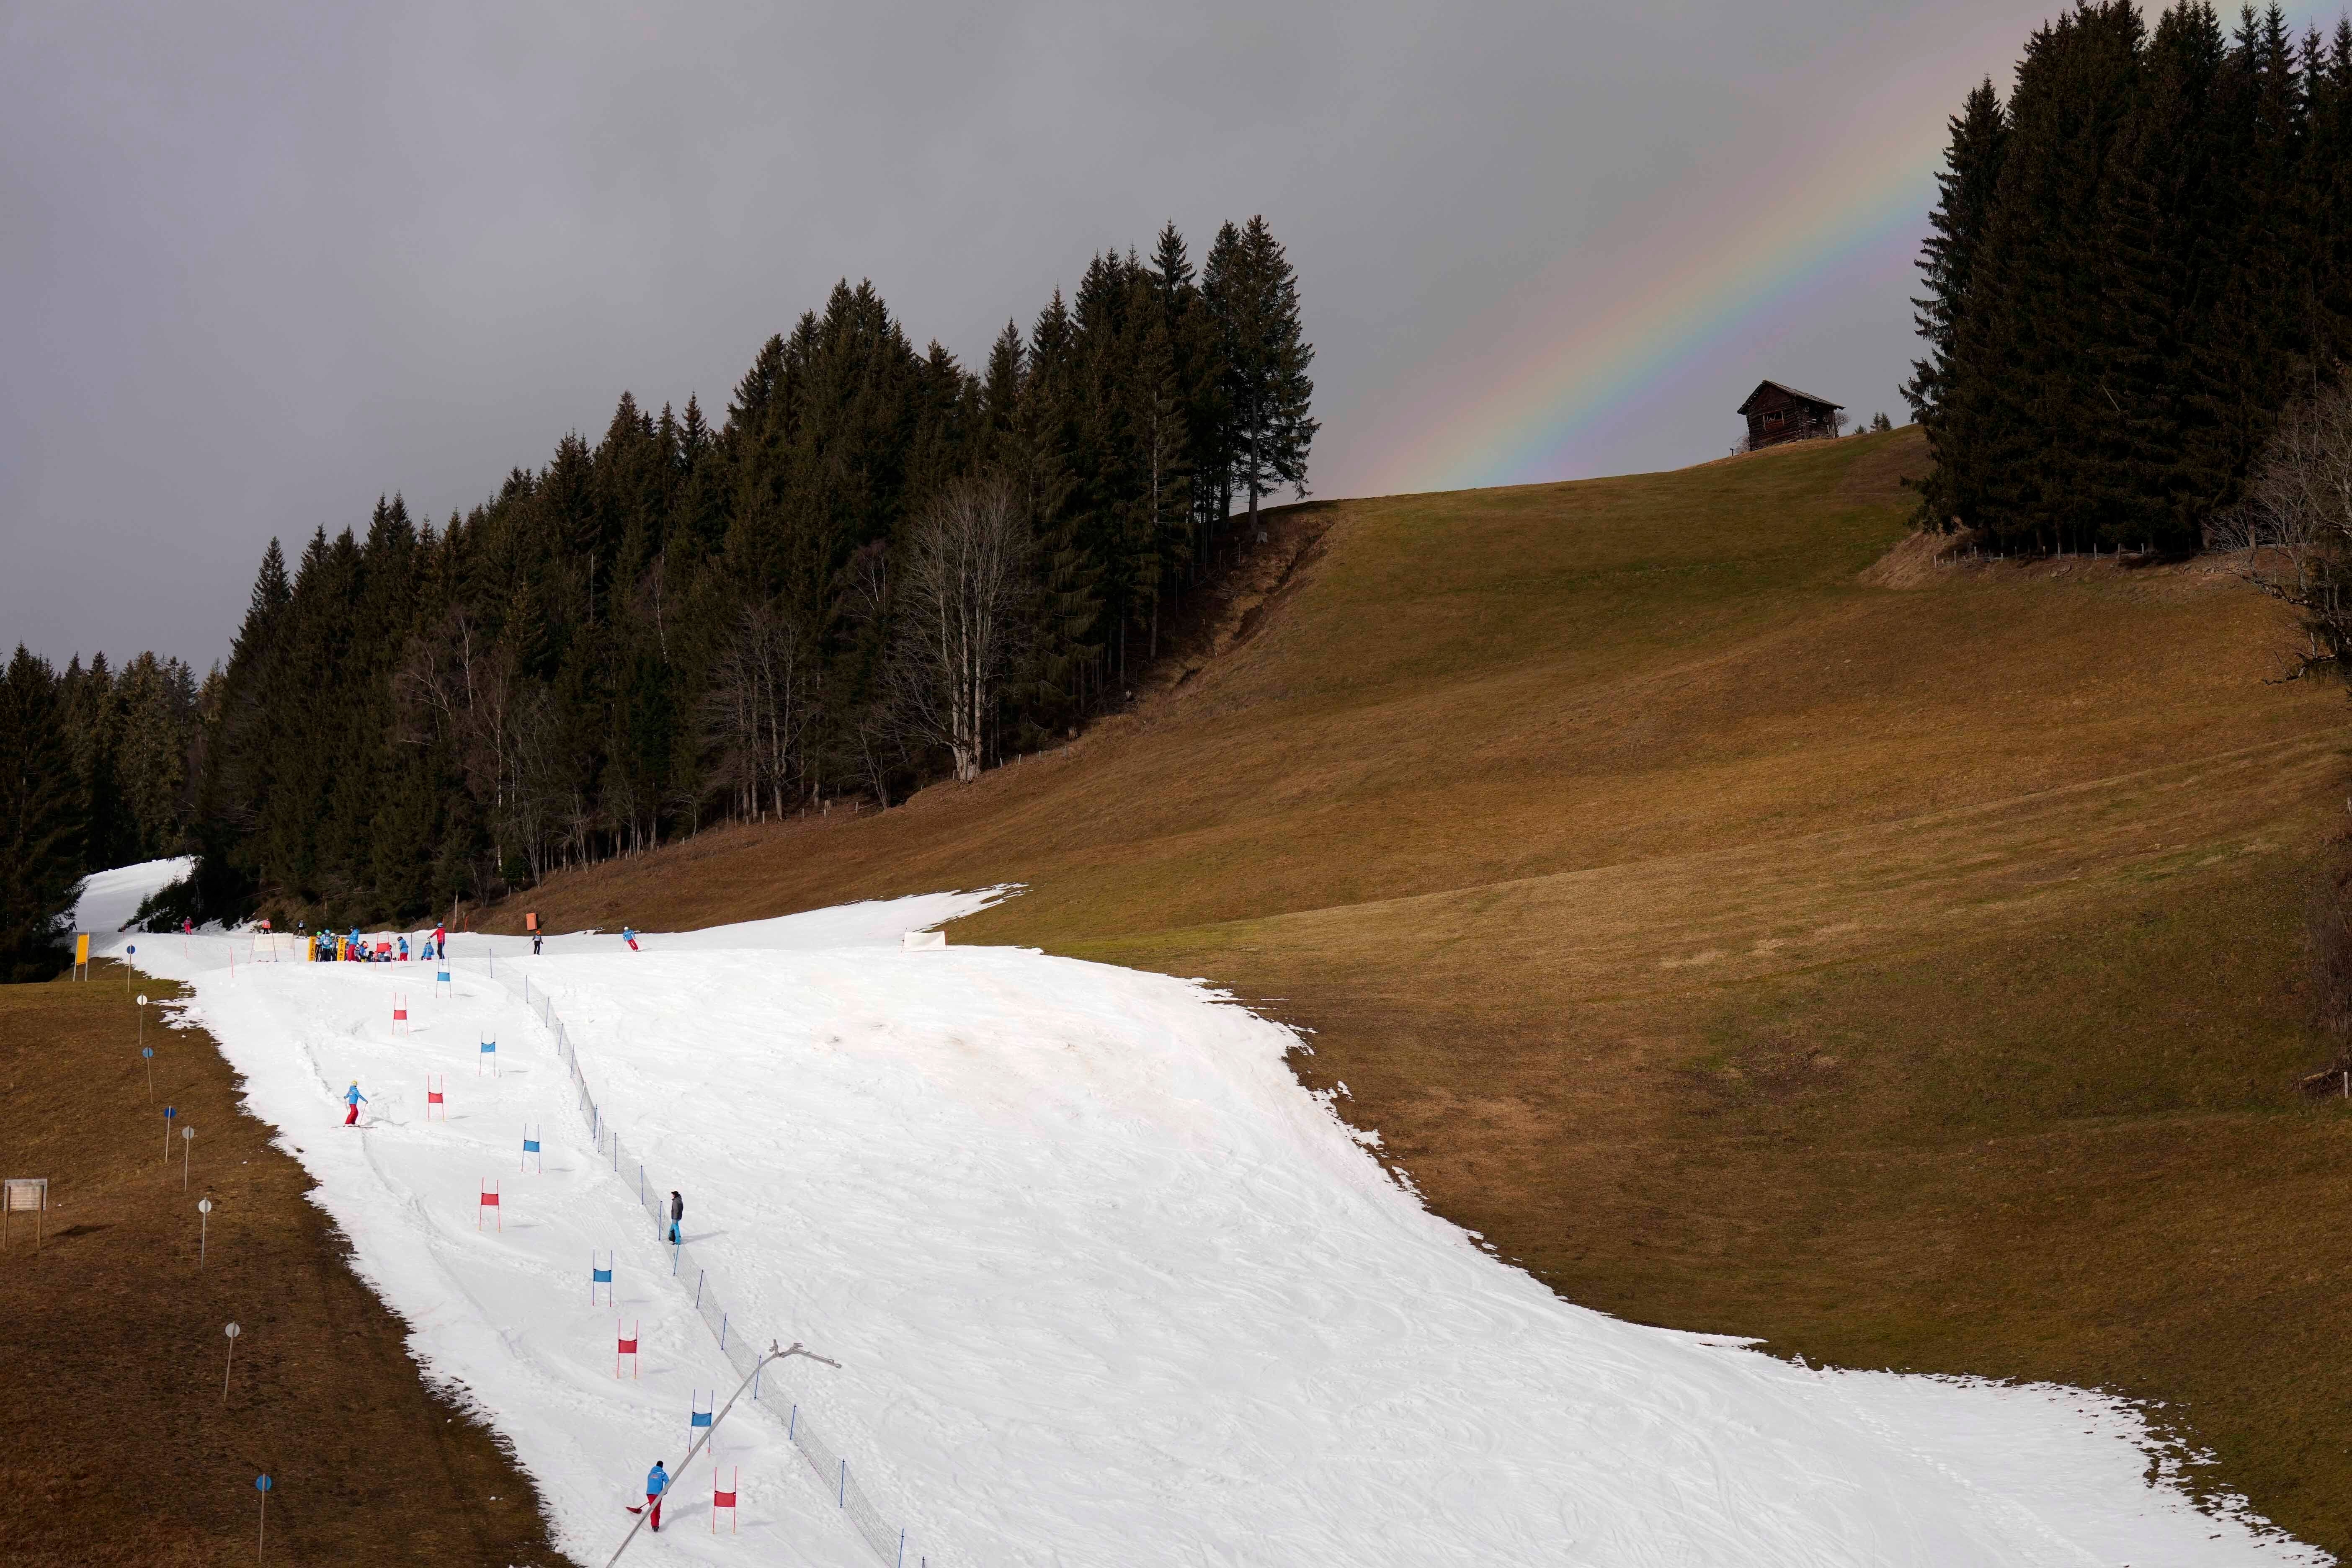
(1105, 1284)
(108, 899)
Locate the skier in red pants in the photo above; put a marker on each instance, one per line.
(354, 1099)
(656, 1483)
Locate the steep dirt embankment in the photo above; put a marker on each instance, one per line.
(1908, 977)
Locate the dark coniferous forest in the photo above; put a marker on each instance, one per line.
(2138, 261)
(877, 567)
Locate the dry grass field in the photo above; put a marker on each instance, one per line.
(122, 1448)
(1910, 975)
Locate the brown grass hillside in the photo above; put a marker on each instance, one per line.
(1909, 976)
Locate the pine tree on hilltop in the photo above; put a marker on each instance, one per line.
(40, 821)
(1252, 290)
(1971, 173)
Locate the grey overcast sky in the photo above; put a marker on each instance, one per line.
(260, 263)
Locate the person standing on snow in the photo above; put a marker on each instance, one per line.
(354, 1099)
(677, 1213)
(534, 945)
(440, 941)
(656, 1483)
(631, 938)
(404, 949)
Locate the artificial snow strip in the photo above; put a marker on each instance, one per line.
(1107, 1286)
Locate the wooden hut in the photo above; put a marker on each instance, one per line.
(1776, 414)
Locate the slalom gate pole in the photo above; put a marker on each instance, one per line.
(774, 1353)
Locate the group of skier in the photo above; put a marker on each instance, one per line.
(355, 948)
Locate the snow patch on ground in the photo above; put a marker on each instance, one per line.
(1107, 1284)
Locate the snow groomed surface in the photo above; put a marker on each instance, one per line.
(1106, 1285)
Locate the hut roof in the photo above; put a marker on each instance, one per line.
(1782, 386)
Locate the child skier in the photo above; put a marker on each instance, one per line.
(631, 938)
(656, 1483)
(534, 945)
(354, 1099)
(404, 949)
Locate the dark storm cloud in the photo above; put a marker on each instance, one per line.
(262, 263)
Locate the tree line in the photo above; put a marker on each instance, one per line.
(2138, 260)
(879, 567)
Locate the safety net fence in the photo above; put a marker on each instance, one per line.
(834, 1473)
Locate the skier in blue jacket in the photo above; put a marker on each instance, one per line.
(354, 1099)
(656, 1483)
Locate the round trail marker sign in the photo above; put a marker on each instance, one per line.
(146, 1050)
(142, 995)
(231, 1330)
(203, 1205)
(261, 1483)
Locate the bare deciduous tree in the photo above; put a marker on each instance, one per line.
(761, 702)
(958, 599)
(2292, 535)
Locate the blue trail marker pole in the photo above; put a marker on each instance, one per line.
(261, 1540)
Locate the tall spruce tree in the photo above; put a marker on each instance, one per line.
(1255, 295)
(1971, 173)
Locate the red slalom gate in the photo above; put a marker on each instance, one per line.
(628, 1348)
(400, 1011)
(725, 1499)
(489, 1201)
(434, 1097)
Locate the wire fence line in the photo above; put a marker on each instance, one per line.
(739, 1345)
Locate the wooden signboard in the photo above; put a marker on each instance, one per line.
(24, 1194)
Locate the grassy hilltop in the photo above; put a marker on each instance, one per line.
(1744, 932)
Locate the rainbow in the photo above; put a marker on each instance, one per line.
(1527, 385)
